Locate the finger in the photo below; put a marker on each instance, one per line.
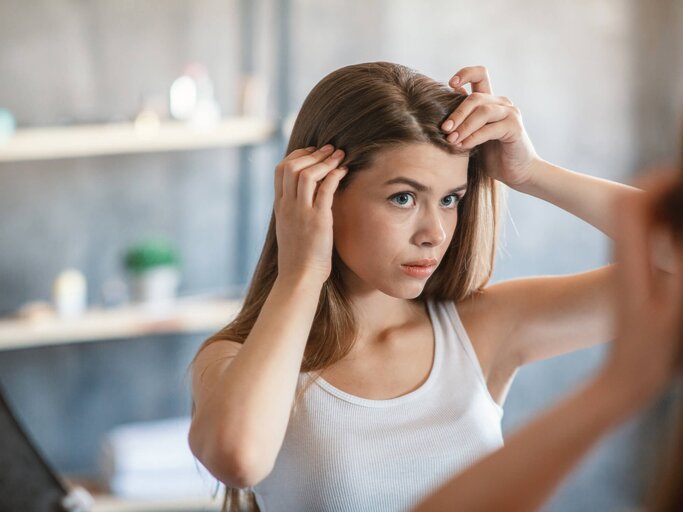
(466, 107)
(478, 76)
(326, 190)
(292, 168)
(481, 116)
(309, 177)
(300, 152)
(279, 170)
(502, 131)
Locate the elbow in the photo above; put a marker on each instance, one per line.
(229, 459)
(244, 470)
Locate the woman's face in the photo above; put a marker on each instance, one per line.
(401, 210)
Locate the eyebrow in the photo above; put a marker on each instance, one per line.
(419, 186)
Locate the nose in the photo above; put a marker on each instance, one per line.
(430, 230)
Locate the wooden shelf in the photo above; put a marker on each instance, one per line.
(122, 138)
(106, 502)
(186, 316)
(111, 504)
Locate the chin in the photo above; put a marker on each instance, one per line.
(403, 290)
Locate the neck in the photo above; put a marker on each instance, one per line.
(378, 315)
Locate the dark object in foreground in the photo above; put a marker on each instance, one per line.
(27, 483)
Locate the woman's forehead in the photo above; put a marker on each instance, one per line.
(424, 163)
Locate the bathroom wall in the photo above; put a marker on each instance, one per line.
(595, 80)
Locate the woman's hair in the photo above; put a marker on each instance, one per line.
(364, 109)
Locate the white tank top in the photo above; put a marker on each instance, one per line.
(343, 453)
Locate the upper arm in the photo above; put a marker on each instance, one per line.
(208, 365)
(550, 316)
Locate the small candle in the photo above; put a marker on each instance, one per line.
(69, 294)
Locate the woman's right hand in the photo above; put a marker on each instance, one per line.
(305, 182)
(648, 350)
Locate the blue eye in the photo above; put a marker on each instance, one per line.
(402, 200)
(454, 200)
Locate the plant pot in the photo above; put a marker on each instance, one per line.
(156, 288)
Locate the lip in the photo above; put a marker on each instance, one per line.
(421, 263)
(420, 268)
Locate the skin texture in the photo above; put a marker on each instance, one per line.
(378, 227)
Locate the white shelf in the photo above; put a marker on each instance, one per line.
(187, 316)
(111, 504)
(122, 138)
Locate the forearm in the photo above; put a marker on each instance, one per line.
(245, 417)
(523, 474)
(586, 197)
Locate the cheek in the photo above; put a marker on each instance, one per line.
(364, 239)
(451, 227)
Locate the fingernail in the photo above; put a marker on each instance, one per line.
(455, 80)
(453, 137)
(310, 148)
(338, 153)
(327, 147)
(448, 126)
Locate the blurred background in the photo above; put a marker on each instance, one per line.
(137, 147)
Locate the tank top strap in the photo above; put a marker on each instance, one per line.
(464, 343)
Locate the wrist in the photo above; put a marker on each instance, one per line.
(299, 281)
(530, 182)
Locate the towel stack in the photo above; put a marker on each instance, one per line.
(152, 460)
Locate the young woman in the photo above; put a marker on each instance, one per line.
(370, 359)
(646, 356)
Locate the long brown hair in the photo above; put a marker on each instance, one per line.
(363, 109)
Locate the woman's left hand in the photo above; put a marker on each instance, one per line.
(482, 118)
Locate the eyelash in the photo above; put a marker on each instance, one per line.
(455, 203)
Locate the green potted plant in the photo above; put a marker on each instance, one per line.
(153, 266)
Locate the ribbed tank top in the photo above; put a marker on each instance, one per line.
(344, 453)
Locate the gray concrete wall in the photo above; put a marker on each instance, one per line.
(73, 62)
(582, 73)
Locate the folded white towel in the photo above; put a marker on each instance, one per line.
(153, 460)
(163, 485)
